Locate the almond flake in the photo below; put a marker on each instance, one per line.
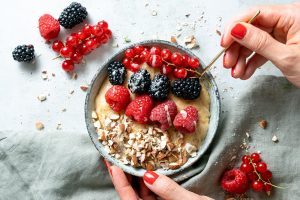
(154, 13)
(97, 124)
(114, 116)
(94, 115)
(74, 76)
(274, 138)
(42, 97)
(39, 126)
(174, 165)
(191, 42)
(173, 39)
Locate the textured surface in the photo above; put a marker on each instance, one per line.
(51, 149)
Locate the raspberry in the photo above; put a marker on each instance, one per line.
(235, 181)
(49, 27)
(164, 113)
(117, 97)
(140, 108)
(186, 120)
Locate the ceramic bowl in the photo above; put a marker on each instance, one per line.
(100, 77)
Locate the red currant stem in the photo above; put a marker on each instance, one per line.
(259, 176)
(190, 70)
(59, 56)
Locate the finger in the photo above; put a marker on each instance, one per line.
(122, 186)
(240, 66)
(258, 41)
(144, 192)
(166, 188)
(253, 63)
(231, 55)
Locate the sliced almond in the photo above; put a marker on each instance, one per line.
(173, 39)
(94, 115)
(174, 165)
(114, 116)
(150, 166)
(161, 156)
(97, 124)
(39, 126)
(42, 97)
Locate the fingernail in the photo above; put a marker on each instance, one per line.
(224, 59)
(239, 31)
(107, 165)
(233, 72)
(150, 177)
(221, 43)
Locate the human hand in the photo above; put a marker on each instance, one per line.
(274, 36)
(150, 186)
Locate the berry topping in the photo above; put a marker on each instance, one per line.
(129, 53)
(176, 58)
(23, 53)
(155, 51)
(49, 27)
(166, 54)
(138, 49)
(180, 73)
(134, 67)
(186, 120)
(144, 55)
(160, 87)
(72, 15)
(116, 73)
(194, 63)
(185, 60)
(234, 181)
(155, 61)
(188, 88)
(140, 109)
(164, 114)
(139, 82)
(117, 97)
(68, 65)
(166, 69)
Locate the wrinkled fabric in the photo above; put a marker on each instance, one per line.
(67, 166)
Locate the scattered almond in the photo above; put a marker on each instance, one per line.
(173, 39)
(39, 126)
(42, 97)
(191, 42)
(275, 139)
(263, 124)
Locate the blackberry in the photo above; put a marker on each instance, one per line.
(139, 82)
(116, 73)
(24, 53)
(188, 88)
(72, 15)
(160, 87)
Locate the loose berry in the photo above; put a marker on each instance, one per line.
(255, 157)
(97, 31)
(117, 97)
(155, 51)
(140, 109)
(176, 58)
(129, 53)
(234, 181)
(76, 57)
(261, 167)
(68, 65)
(103, 24)
(72, 15)
(245, 159)
(186, 120)
(246, 167)
(116, 73)
(24, 53)
(160, 87)
(266, 175)
(185, 60)
(257, 186)
(145, 55)
(166, 69)
(155, 61)
(138, 49)
(49, 27)
(72, 41)
(66, 51)
(188, 88)
(87, 30)
(164, 114)
(57, 45)
(139, 82)
(166, 55)
(194, 63)
(180, 73)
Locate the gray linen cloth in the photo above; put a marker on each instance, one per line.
(67, 166)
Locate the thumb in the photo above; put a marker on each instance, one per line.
(166, 188)
(258, 41)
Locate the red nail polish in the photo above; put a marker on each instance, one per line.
(221, 43)
(233, 72)
(150, 177)
(107, 165)
(239, 31)
(224, 59)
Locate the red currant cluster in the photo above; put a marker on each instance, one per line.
(257, 172)
(82, 43)
(169, 63)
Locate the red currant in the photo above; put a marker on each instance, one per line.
(194, 63)
(66, 51)
(72, 41)
(267, 187)
(129, 53)
(166, 69)
(126, 62)
(145, 55)
(155, 51)
(180, 73)
(176, 58)
(98, 41)
(261, 167)
(155, 61)
(57, 45)
(91, 44)
(252, 176)
(108, 33)
(104, 38)
(245, 159)
(138, 49)
(83, 49)
(257, 186)
(134, 67)
(246, 167)
(166, 54)
(185, 61)
(87, 30)
(255, 157)
(97, 31)
(68, 65)
(266, 175)
(81, 35)
(76, 57)
(103, 24)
